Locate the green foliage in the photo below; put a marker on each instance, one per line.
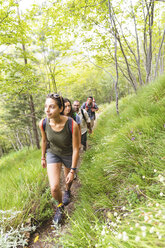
(121, 201)
(24, 187)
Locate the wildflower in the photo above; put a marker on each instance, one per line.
(152, 229)
(115, 214)
(36, 238)
(137, 224)
(161, 194)
(137, 239)
(119, 236)
(123, 208)
(144, 234)
(149, 204)
(157, 204)
(143, 177)
(159, 237)
(103, 232)
(137, 186)
(140, 133)
(133, 138)
(163, 217)
(125, 237)
(161, 178)
(146, 218)
(155, 170)
(131, 228)
(143, 228)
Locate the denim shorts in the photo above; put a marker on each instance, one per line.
(53, 158)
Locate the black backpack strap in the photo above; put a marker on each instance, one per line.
(82, 112)
(44, 123)
(70, 123)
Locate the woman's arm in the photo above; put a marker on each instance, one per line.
(75, 154)
(43, 144)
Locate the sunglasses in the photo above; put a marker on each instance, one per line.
(55, 96)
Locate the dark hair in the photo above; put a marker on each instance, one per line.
(72, 112)
(59, 99)
(90, 97)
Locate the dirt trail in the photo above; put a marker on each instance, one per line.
(47, 234)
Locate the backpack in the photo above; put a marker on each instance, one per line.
(86, 105)
(70, 124)
(93, 106)
(82, 112)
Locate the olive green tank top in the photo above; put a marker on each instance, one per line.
(60, 143)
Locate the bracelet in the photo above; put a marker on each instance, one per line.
(71, 172)
(43, 158)
(73, 168)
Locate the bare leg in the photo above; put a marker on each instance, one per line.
(66, 172)
(54, 171)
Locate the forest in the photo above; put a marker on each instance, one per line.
(113, 50)
(107, 49)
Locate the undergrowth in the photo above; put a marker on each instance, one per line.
(25, 200)
(121, 201)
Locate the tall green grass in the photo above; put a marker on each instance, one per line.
(24, 188)
(122, 199)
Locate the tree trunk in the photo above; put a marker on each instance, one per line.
(148, 21)
(13, 145)
(159, 55)
(115, 56)
(30, 136)
(35, 132)
(31, 104)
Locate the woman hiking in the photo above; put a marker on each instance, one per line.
(60, 140)
(68, 111)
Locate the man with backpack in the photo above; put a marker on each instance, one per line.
(85, 123)
(91, 107)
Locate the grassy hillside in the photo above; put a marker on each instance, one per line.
(122, 198)
(24, 196)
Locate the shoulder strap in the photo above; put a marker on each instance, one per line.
(82, 112)
(44, 124)
(86, 106)
(70, 123)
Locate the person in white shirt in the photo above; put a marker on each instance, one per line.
(85, 123)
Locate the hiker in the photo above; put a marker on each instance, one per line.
(91, 107)
(60, 145)
(68, 111)
(85, 123)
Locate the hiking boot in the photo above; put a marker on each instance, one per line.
(59, 214)
(66, 198)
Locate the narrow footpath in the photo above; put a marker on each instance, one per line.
(47, 236)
